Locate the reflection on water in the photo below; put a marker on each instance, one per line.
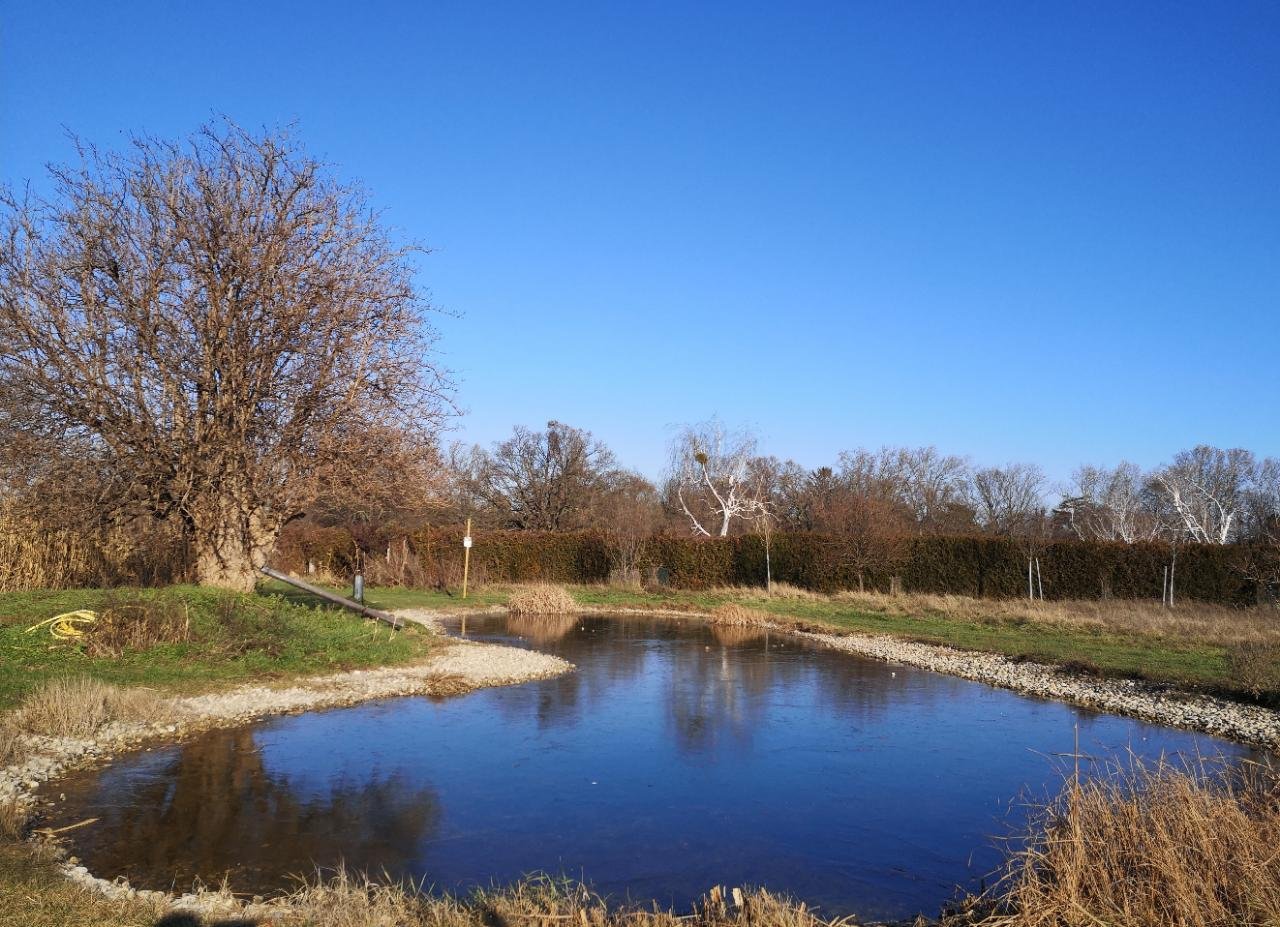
(677, 756)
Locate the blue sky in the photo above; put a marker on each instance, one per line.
(1022, 230)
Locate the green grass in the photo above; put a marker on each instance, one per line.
(234, 638)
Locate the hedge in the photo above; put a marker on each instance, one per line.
(967, 565)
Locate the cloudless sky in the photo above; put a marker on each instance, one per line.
(1018, 231)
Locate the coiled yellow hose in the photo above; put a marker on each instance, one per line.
(69, 625)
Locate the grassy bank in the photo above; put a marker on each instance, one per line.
(187, 639)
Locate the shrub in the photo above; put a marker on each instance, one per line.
(1255, 666)
(543, 599)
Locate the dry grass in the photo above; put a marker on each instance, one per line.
(778, 591)
(350, 901)
(76, 707)
(1160, 846)
(731, 614)
(542, 599)
(14, 818)
(1192, 621)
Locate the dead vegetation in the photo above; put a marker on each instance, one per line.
(1161, 845)
(14, 818)
(134, 623)
(76, 707)
(542, 599)
(731, 614)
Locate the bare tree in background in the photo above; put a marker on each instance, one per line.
(1206, 488)
(211, 324)
(712, 479)
(933, 488)
(627, 515)
(1010, 503)
(550, 480)
(1110, 505)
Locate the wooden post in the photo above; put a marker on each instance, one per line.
(466, 558)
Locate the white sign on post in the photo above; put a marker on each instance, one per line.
(466, 542)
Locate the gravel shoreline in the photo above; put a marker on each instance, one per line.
(1248, 724)
(458, 667)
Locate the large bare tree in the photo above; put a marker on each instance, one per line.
(215, 324)
(550, 480)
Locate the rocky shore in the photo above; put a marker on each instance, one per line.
(1249, 724)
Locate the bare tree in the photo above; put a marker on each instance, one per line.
(216, 321)
(1110, 505)
(1010, 502)
(550, 480)
(933, 488)
(627, 515)
(1206, 488)
(712, 479)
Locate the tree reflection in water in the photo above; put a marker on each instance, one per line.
(217, 811)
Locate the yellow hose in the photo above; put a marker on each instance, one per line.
(67, 626)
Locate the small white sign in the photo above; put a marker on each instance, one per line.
(466, 542)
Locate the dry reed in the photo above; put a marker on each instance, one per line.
(542, 599)
(34, 556)
(346, 900)
(731, 614)
(76, 707)
(14, 819)
(1160, 845)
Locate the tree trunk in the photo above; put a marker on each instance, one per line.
(230, 549)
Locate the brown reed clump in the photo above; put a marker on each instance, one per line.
(731, 614)
(78, 706)
(1162, 845)
(542, 599)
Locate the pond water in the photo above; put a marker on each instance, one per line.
(676, 757)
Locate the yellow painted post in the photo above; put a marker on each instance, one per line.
(466, 558)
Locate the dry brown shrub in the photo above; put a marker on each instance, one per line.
(134, 622)
(542, 599)
(731, 614)
(1159, 846)
(76, 707)
(1255, 667)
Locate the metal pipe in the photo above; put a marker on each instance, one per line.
(336, 599)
